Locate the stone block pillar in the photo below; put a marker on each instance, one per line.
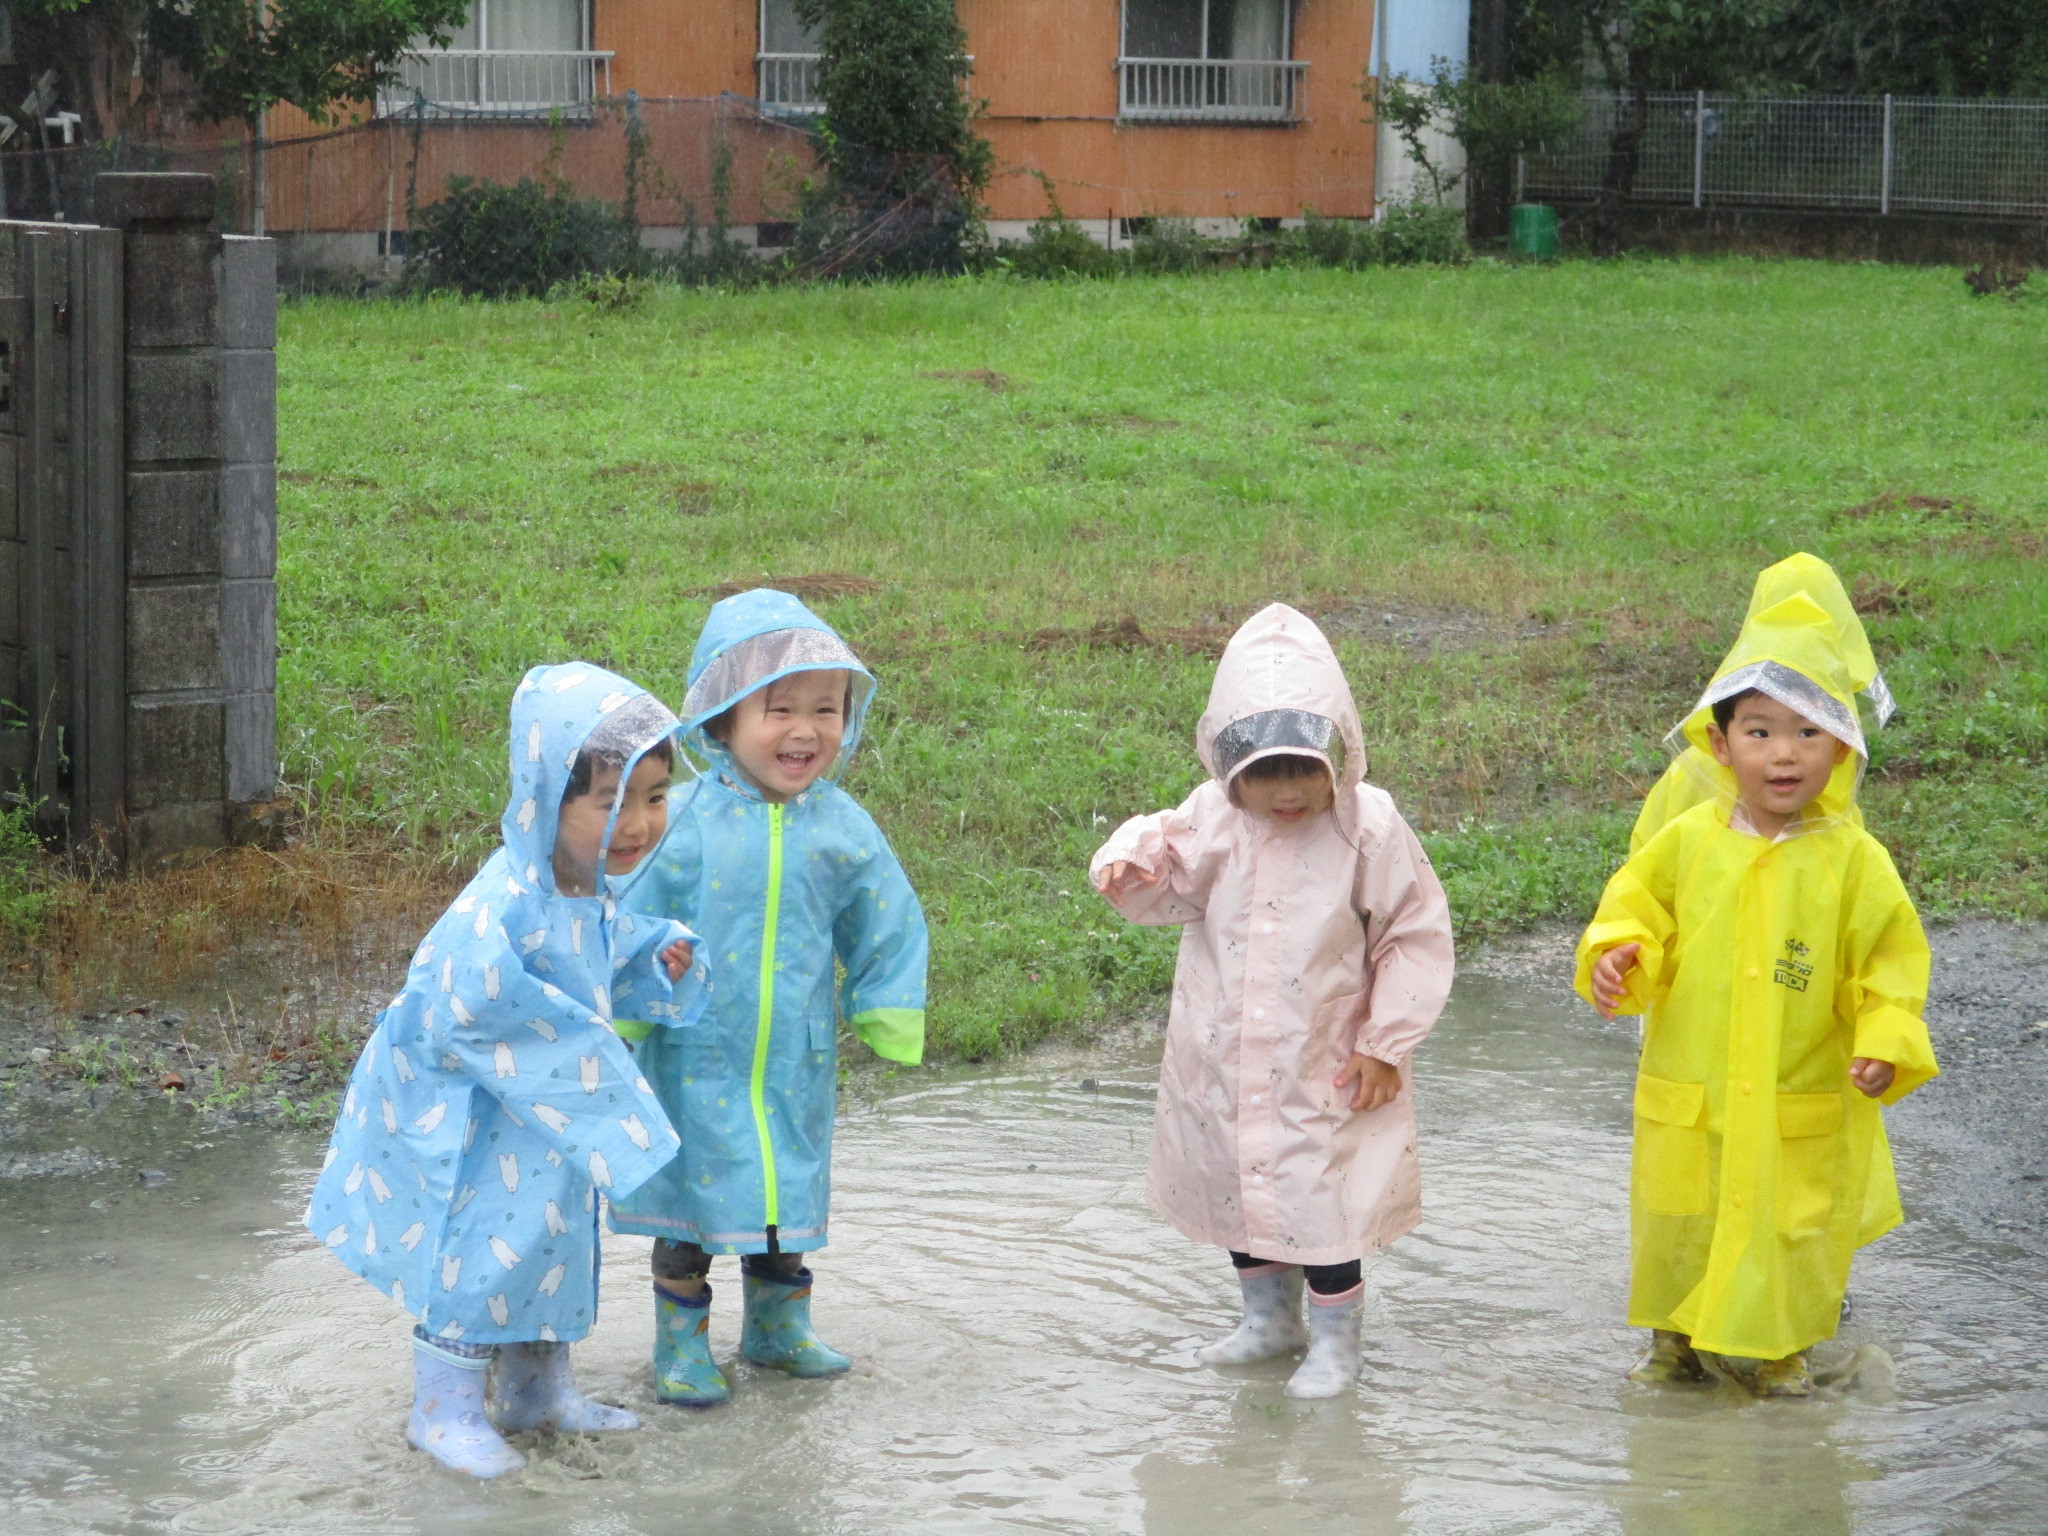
(201, 428)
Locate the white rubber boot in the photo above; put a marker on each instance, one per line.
(448, 1420)
(534, 1390)
(1272, 1318)
(1331, 1368)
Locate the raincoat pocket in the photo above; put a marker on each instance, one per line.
(1809, 1153)
(824, 1032)
(1671, 1146)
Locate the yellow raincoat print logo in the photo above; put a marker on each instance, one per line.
(1765, 968)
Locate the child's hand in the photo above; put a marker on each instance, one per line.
(1871, 1076)
(677, 958)
(1610, 977)
(1123, 877)
(1378, 1081)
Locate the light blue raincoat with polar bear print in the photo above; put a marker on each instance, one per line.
(786, 897)
(493, 1102)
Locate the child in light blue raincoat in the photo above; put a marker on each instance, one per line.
(789, 880)
(494, 1102)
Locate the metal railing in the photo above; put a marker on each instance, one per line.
(789, 81)
(1878, 154)
(1211, 90)
(505, 82)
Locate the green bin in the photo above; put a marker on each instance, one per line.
(1532, 231)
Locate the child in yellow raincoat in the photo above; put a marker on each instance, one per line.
(1690, 778)
(1782, 969)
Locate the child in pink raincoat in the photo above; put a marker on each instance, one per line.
(1315, 954)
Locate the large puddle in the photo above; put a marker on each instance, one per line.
(176, 1355)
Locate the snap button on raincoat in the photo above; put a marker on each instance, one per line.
(1691, 778)
(1300, 945)
(1766, 967)
(785, 895)
(493, 1102)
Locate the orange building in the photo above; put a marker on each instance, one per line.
(1214, 110)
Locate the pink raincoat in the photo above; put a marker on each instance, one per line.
(1301, 944)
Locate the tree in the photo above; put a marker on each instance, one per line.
(903, 167)
(1492, 120)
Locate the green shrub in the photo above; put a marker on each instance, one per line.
(497, 241)
(1171, 245)
(23, 900)
(1056, 246)
(1414, 232)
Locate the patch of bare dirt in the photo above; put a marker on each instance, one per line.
(1126, 634)
(1896, 501)
(995, 383)
(1422, 629)
(818, 587)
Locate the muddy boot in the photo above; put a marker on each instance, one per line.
(1331, 1368)
(1788, 1377)
(1670, 1360)
(684, 1372)
(448, 1419)
(777, 1332)
(1272, 1318)
(534, 1390)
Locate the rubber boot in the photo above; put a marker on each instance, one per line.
(1332, 1364)
(533, 1389)
(448, 1419)
(1670, 1360)
(778, 1331)
(1272, 1318)
(684, 1372)
(1788, 1377)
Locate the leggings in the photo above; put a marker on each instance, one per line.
(1323, 1279)
(687, 1262)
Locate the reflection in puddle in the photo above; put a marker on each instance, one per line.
(183, 1358)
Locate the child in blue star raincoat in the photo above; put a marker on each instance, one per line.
(494, 1102)
(789, 881)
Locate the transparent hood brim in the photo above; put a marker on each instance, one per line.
(1273, 732)
(1795, 691)
(752, 664)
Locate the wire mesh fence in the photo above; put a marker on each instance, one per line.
(669, 161)
(1880, 154)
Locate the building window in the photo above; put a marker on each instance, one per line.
(510, 58)
(1209, 61)
(787, 63)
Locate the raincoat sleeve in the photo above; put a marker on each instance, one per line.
(552, 1063)
(880, 939)
(1883, 990)
(1182, 846)
(1637, 908)
(1409, 957)
(642, 995)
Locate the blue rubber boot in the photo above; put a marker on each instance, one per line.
(684, 1372)
(448, 1419)
(778, 1329)
(533, 1389)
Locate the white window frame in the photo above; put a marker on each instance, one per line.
(1205, 90)
(491, 82)
(1123, 45)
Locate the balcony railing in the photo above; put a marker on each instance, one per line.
(790, 81)
(503, 82)
(1211, 90)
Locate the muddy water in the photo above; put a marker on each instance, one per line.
(176, 1356)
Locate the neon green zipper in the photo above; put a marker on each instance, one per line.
(767, 1014)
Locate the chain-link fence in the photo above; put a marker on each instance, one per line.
(1878, 154)
(669, 162)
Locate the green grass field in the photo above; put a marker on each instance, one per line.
(1527, 504)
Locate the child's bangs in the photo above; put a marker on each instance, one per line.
(755, 662)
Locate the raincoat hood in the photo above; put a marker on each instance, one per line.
(1817, 579)
(1279, 689)
(754, 639)
(1791, 652)
(557, 712)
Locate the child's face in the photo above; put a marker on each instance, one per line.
(1285, 800)
(643, 818)
(785, 735)
(1781, 759)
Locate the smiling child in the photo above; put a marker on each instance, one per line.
(1782, 969)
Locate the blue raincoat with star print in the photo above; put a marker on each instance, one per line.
(494, 1102)
(785, 896)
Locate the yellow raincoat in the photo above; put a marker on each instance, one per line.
(1766, 966)
(1690, 778)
